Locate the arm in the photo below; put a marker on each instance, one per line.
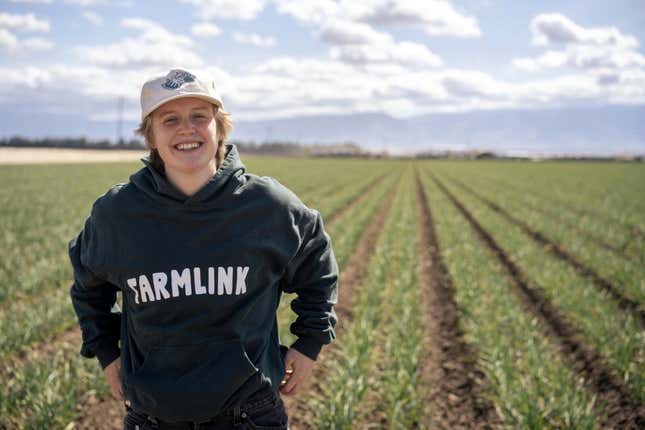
(92, 296)
(313, 275)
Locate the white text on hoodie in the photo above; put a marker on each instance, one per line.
(160, 286)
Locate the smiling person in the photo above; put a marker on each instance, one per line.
(201, 251)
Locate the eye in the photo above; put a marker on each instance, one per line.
(170, 120)
(200, 117)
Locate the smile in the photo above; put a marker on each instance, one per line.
(189, 146)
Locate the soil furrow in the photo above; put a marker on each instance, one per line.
(554, 215)
(356, 198)
(351, 279)
(622, 410)
(107, 414)
(611, 247)
(449, 366)
(42, 349)
(635, 229)
(557, 250)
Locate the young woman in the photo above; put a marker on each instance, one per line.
(201, 251)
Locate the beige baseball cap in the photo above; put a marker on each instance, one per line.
(176, 84)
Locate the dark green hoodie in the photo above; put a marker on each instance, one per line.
(201, 278)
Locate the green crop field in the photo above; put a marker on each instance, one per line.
(473, 294)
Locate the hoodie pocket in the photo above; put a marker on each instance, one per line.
(190, 382)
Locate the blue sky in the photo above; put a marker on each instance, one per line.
(276, 59)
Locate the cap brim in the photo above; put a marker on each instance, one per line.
(210, 99)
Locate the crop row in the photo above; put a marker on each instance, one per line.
(626, 275)
(530, 386)
(344, 233)
(376, 303)
(597, 187)
(610, 193)
(615, 334)
(614, 236)
(396, 397)
(28, 400)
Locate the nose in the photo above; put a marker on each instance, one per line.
(186, 126)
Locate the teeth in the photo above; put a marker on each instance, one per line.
(185, 146)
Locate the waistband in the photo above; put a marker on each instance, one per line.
(258, 400)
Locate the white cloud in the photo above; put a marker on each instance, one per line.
(37, 44)
(205, 29)
(461, 83)
(254, 39)
(32, 1)
(153, 46)
(86, 3)
(314, 12)
(437, 17)
(584, 58)
(71, 89)
(61, 88)
(302, 84)
(27, 77)
(550, 60)
(601, 52)
(8, 41)
(288, 86)
(27, 22)
(291, 66)
(339, 32)
(93, 17)
(328, 86)
(406, 53)
(559, 91)
(555, 28)
(230, 9)
(11, 44)
(346, 26)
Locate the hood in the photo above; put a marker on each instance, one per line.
(156, 185)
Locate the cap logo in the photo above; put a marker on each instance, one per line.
(176, 78)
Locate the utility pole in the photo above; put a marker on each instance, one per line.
(269, 133)
(119, 121)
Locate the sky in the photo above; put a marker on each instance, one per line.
(66, 64)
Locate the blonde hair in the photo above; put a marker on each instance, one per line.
(224, 123)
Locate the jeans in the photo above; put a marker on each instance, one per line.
(264, 410)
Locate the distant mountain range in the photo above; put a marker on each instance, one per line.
(589, 131)
(604, 130)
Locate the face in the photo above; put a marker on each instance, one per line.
(185, 135)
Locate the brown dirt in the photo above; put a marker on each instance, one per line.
(601, 283)
(112, 418)
(65, 155)
(555, 216)
(107, 414)
(621, 409)
(633, 228)
(301, 417)
(360, 195)
(449, 367)
(39, 350)
(104, 414)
